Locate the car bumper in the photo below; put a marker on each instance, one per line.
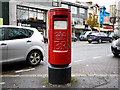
(91, 39)
(83, 39)
(115, 50)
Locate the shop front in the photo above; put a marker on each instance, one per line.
(32, 17)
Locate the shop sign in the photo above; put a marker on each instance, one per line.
(107, 27)
(106, 20)
(1, 21)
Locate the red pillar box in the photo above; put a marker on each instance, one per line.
(59, 36)
(59, 46)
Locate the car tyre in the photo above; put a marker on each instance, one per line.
(75, 40)
(34, 58)
(115, 54)
(110, 40)
(89, 41)
(100, 41)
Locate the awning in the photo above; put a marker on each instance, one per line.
(81, 27)
(102, 29)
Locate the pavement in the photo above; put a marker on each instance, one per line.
(77, 81)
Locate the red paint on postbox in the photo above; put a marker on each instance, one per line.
(59, 46)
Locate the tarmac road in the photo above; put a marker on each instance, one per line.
(88, 61)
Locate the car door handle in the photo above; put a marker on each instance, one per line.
(29, 41)
(3, 44)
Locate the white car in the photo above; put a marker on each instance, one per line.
(84, 34)
(21, 43)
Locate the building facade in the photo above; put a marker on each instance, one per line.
(28, 13)
(115, 16)
(78, 16)
(104, 16)
(112, 10)
(94, 10)
(34, 13)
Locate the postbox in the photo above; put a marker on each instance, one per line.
(59, 46)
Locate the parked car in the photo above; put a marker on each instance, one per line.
(115, 36)
(21, 44)
(74, 38)
(84, 34)
(45, 39)
(115, 47)
(99, 37)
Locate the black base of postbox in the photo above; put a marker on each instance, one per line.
(59, 75)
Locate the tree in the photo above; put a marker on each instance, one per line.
(92, 21)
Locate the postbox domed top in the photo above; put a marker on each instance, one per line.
(60, 9)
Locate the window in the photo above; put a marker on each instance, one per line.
(55, 4)
(103, 11)
(15, 33)
(1, 34)
(74, 10)
(32, 13)
(95, 10)
(29, 32)
(82, 10)
(65, 6)
(40, 16)
(22, 13)
(60, 24)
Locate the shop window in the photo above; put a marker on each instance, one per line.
(22, 13)
(32, 14)
(40, 16)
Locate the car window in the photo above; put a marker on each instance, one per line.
(95, 34)
(30, 33)
(16, 33)
(1, 34)
(104, 34)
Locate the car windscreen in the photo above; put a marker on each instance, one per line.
(87, 33)
(94, 34)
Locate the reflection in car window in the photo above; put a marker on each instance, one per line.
(1, 34)
(15, 33)
(30, 33)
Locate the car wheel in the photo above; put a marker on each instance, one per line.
(110, 40)
(100, 41)
(34, 58)
(89, 41)
(75, 40)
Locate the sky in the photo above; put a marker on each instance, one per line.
(105, 3)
